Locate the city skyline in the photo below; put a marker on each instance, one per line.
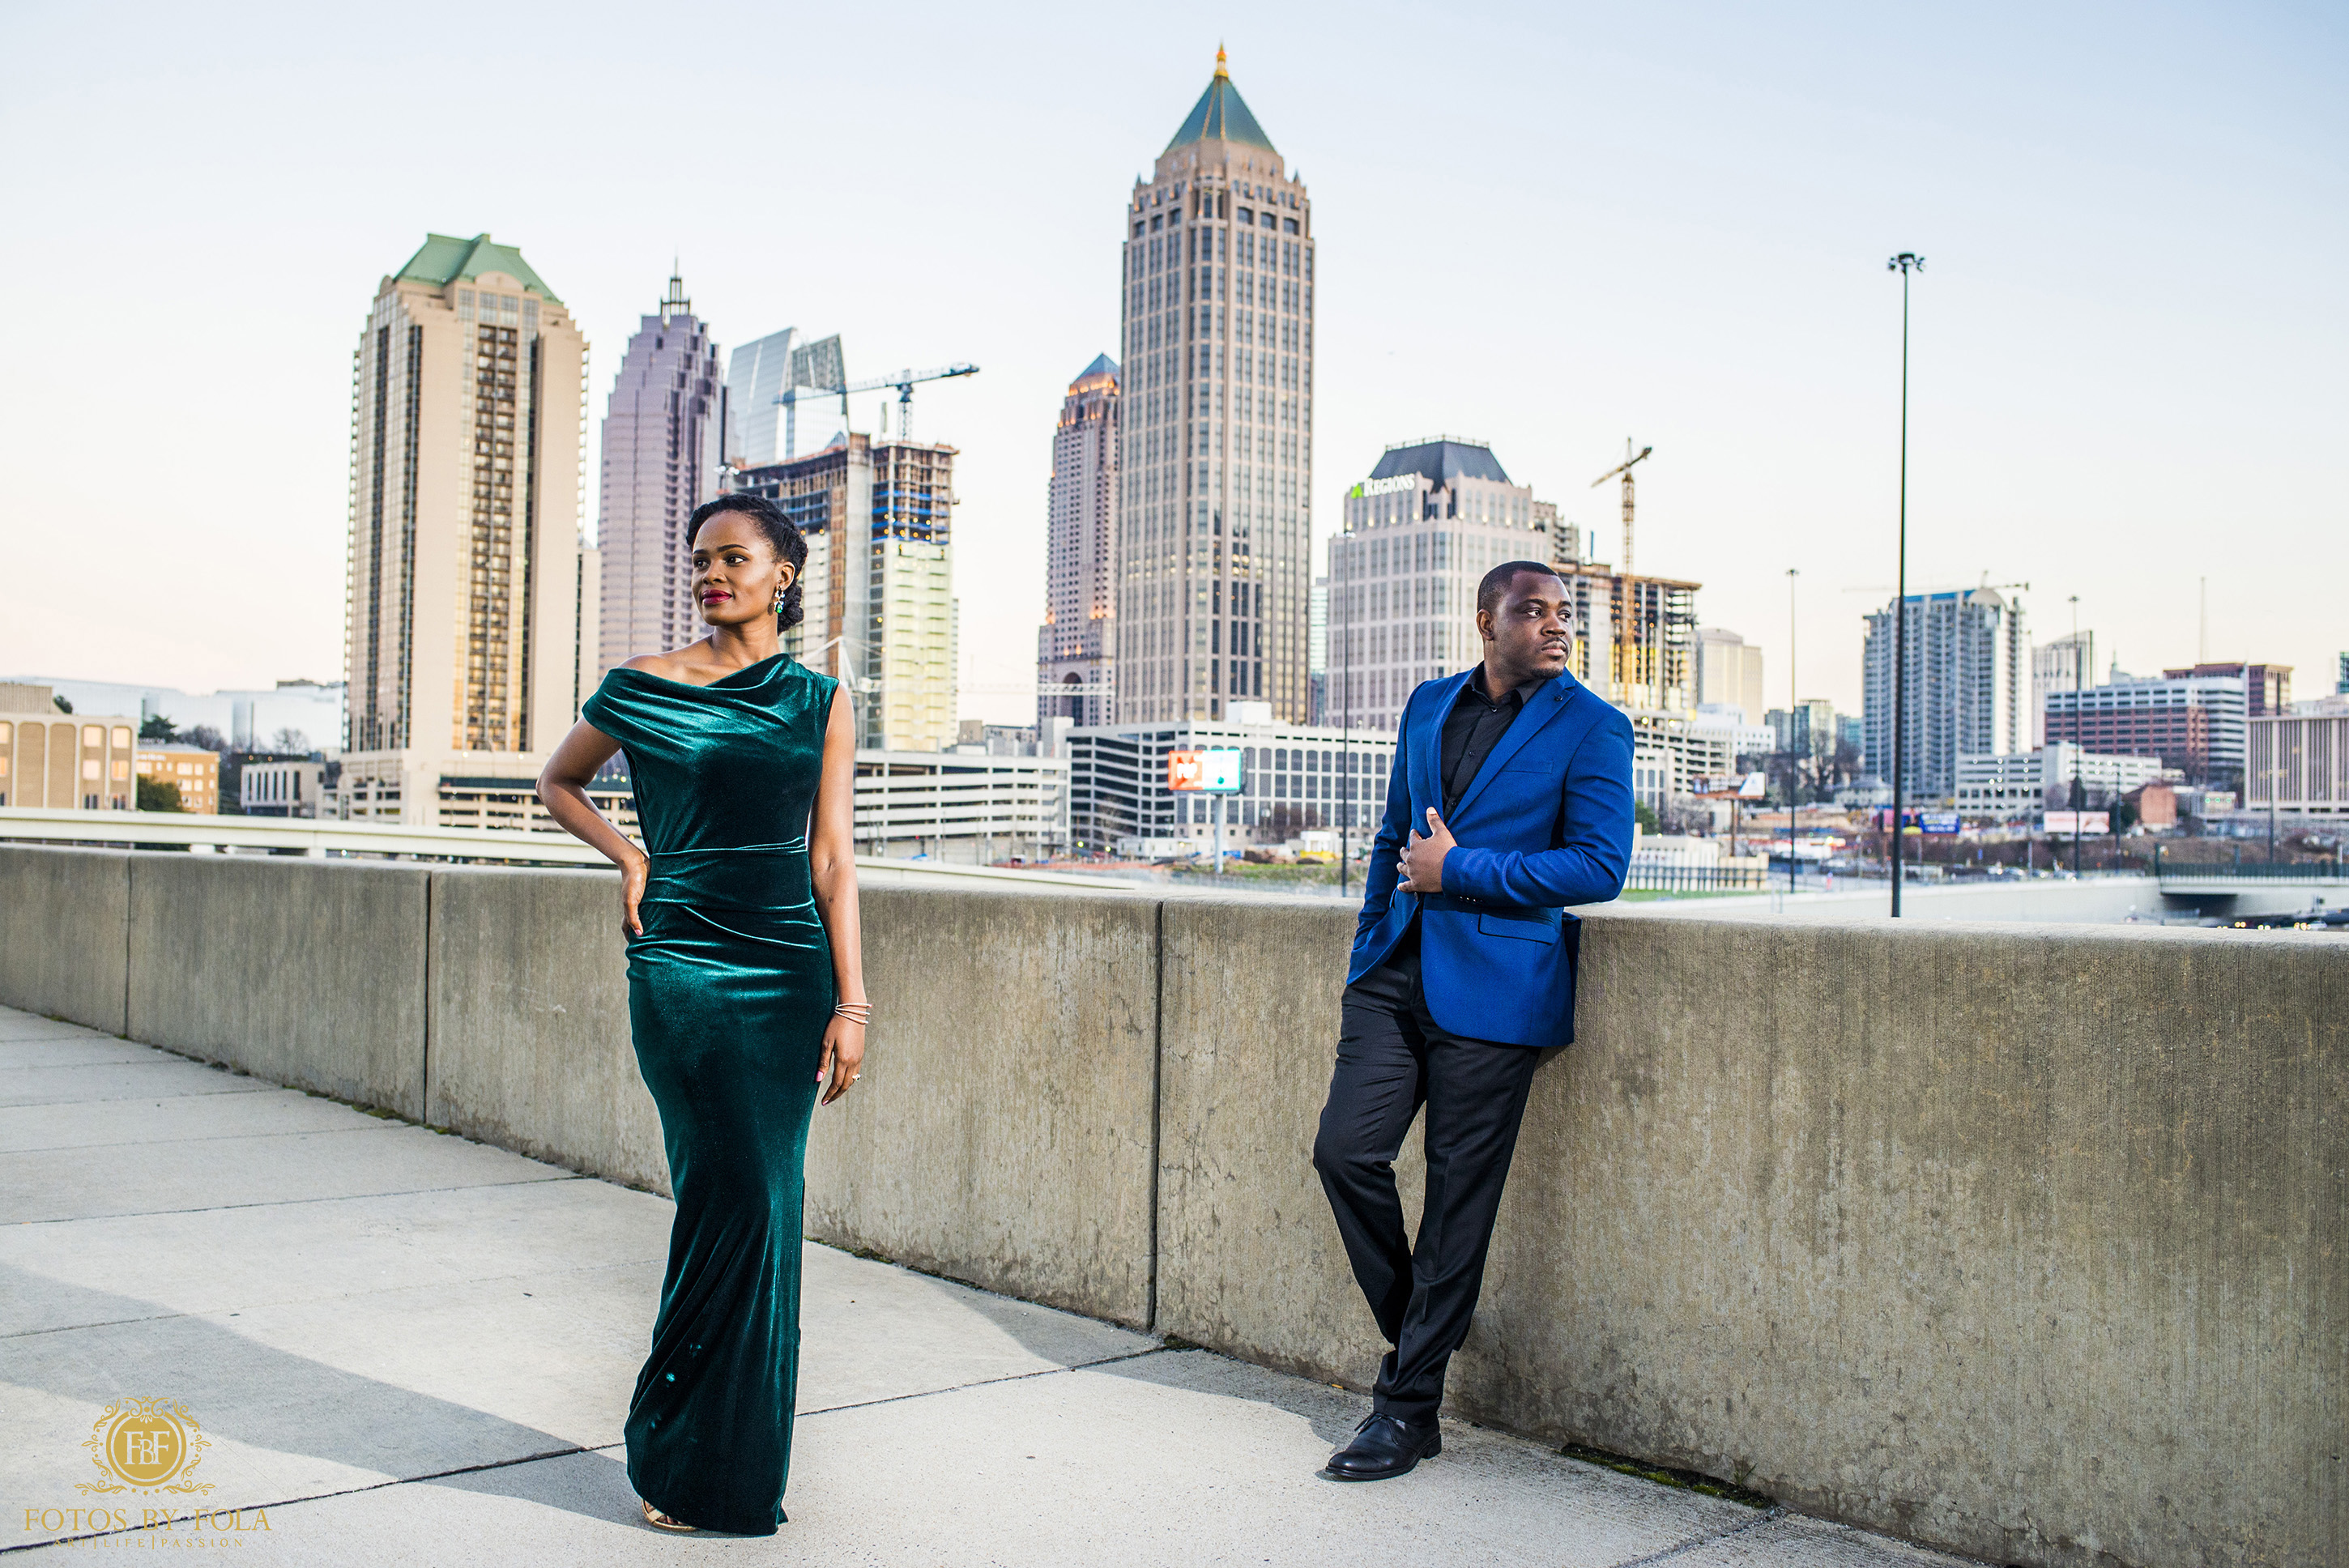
(2086, 428)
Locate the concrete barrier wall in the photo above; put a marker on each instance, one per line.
(1003, 1129)
(308, 972)
(529, 1030)
(2026, 1242)
(64, 915)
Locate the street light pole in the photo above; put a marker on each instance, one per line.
(2079, 738)
(1793, 707)
(1903, 263)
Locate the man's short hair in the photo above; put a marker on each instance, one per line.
(1496, 582)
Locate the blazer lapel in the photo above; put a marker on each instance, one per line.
(1427, 748)
(1547, 705)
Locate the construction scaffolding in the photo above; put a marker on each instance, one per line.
(1635, 637)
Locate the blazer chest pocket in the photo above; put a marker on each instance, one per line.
(1544, 931)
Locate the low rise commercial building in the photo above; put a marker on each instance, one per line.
(2297, 762)
(52, 758)
(279, 786)
(467, 789)
(2024, 783)
(2193, 723)
(1670, 752)
(193, 770)
(1293, 778)
(968, 806)
(956, 805)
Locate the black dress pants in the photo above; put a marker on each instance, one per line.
(1393, 1058)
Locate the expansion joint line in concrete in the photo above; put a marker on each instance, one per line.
(988, 1382)
(1669, 1553)
(1157, 1107)
(289, 1203)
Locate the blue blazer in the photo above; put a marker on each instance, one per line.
(1546, 822)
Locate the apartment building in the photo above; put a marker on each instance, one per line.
(471, 598)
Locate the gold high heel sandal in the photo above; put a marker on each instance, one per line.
(659, 1520)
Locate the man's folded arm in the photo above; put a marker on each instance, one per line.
(1379, 876)
(1590, 865)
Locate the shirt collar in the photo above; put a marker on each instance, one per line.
(1524, 691)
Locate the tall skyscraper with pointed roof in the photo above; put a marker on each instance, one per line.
(662, 433)
(1215, 514)
(1076, 648)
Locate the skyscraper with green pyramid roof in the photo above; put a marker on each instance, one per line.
(471, 594)
(1215, 514)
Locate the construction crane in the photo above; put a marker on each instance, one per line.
(905, 381)
(1624, 468)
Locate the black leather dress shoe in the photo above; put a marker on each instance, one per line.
(1384, 1446)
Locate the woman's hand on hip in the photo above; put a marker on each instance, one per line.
(633, 871)
(843, 1058)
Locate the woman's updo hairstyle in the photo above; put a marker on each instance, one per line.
(789, 543)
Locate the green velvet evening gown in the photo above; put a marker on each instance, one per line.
(729, 990)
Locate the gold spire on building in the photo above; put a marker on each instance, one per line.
(1221, 65)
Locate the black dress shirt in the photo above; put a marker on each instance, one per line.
(1472, 728)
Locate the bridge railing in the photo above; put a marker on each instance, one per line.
(330, 839)
(1665, 877)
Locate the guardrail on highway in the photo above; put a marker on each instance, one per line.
(2219, 870)
(323, 839)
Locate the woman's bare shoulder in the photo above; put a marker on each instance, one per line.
(677, 664)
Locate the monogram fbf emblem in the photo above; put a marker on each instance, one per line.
(145, 1445)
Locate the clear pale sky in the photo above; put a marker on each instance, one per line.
(1550, 226)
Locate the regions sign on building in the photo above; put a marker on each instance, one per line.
(1218, 771)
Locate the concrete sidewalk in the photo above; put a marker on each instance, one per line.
(409, 1348)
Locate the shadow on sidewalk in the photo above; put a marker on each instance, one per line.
(245, 1392)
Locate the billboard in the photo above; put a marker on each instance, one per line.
(1921, 822)
(1730, 786)
(2067, 823)
(1215, 771)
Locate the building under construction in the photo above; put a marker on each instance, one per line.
(878, 589)
(1635, 637)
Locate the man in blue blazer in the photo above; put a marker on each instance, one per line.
(1511, 798)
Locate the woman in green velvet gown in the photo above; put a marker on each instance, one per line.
(746, 995)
